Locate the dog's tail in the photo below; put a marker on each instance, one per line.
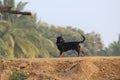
(83, 39)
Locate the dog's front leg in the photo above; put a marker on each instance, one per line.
(61, 55)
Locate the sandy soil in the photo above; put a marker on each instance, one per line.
(72, 68)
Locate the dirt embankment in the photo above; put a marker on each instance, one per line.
(77, 68)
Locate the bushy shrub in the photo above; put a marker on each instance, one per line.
(18, 75)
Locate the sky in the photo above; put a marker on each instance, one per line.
(100, 16)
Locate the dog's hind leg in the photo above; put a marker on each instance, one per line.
(83, 54)
(78, 51)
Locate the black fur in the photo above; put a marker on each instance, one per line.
(65, 46)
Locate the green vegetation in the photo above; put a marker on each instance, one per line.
(25, 37)
(18, 75)
(114, 48)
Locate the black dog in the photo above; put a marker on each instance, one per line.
(65, 46)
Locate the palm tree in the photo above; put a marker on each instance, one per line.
(115, 47)
(12, 17)
(6, 27)
(6, 40)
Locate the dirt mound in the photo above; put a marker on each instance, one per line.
(80, 68)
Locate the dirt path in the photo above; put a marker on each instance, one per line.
(74, 68)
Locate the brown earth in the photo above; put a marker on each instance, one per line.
(74, 68)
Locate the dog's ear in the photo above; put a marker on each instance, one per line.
(57, 38)
(61, 35)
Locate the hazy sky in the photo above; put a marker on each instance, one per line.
(102, 16)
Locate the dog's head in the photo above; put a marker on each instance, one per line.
(60, 39)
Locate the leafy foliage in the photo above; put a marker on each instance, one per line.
(25, 37)
(93, 43)
(114, 48)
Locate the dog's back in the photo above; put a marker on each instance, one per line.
(70, 46)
